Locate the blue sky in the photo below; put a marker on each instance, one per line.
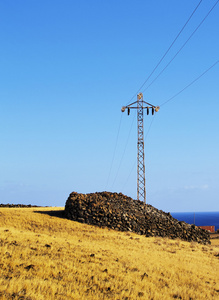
(67, 67)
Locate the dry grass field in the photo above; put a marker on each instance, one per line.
(44, 256)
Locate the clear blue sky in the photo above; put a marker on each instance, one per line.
(68, 66)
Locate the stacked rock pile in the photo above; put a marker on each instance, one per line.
(119, 212)
(17, 205)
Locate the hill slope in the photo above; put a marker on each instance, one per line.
(44, 256)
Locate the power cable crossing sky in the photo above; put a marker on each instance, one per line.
(150, 75)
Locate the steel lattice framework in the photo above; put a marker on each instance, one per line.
(141, 188)
(141, 191)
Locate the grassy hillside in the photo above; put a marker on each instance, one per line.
(44, 256)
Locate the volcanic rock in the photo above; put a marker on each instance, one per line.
(18, 205)
(120, 212)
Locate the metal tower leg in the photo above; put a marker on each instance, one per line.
(141, 191)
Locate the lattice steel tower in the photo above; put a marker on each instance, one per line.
(141, 189)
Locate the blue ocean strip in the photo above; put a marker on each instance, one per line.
(198, 218)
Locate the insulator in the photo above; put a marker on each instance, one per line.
(152, 110)
(140, 95)
(123, 108)
(128, 110)
(148, 110)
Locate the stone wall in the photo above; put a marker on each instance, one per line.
(18, 205)
(119, 212)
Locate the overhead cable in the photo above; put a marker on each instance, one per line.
(167, 50)
(190, 83)
(117, 137)
(123, 153)
(129, 174)
(182, 46)
(136, 159)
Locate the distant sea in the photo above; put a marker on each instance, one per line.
(198, 218)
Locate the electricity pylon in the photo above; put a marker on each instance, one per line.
(141, 189)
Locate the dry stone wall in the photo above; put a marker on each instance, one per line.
(18, 205)
(119, 212)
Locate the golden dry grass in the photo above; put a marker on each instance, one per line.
(215, 239)
(48, 257)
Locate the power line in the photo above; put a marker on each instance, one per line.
(117, 137)
(160, 74)
(182, 46)
(190, 83)
(167, 50)
(129, 174)
(123, 153)
(149, 128)
(136, 159)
